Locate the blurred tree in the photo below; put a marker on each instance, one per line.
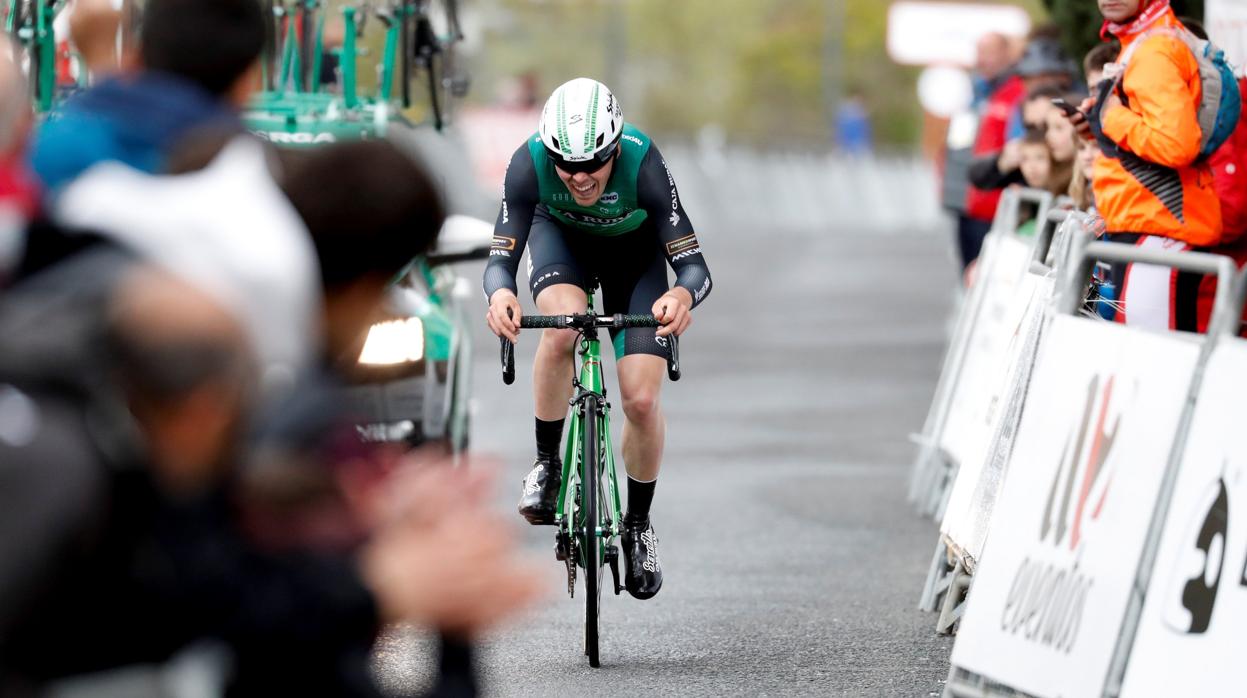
(1080, 21)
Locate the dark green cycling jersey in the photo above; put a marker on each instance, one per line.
(639, 199)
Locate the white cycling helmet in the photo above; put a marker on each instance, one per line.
(580, 125)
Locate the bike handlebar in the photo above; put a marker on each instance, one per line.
(585, 322)
(560, 322)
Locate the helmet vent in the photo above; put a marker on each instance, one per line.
(556, 142)
(601, 139)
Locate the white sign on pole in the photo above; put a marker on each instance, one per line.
(1050, 592)
(945, 33)
(978, 484)
(1192, 633)
(1226, 21)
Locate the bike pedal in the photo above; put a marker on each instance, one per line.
(612, 558)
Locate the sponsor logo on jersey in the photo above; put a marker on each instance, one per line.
(593, 220)
(677, 246)
(633, 139)
(506, 215)
(662, 341)
(499, 253)
(610, 197)
(701, 292)
(296, 138)
(502, 242)
(688, 253)
(545, 277)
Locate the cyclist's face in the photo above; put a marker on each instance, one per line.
(587, 188)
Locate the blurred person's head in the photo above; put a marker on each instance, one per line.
(993, 55)
(1062, 139)
(1038, 166)
(1098, 57)
(1122, 10)
(1044, 63)
(93, 28)
(16, 116)
(370, 209)
(1038, 104)
(215, 44)
(184, 368)
(1035, 159)
(1080, 189)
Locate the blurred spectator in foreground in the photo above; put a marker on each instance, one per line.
(139, 548)
(200, 63)
(93, 29)
(1151, 186)
(19, 195)
(853, 132)
(997, 94)
(253, 255)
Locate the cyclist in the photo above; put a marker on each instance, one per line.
(591, 199)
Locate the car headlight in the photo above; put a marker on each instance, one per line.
(393, 342)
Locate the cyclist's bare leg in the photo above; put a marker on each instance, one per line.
(640, 382)
(554, 365)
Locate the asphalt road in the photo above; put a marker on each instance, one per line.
(793, 564)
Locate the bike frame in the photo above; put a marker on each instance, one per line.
(591, 383)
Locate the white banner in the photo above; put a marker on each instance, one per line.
(1226, 21)
(984, 370)
(978, 483)
(1050, 592)
(1193, 631)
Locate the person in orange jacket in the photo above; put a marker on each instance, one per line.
(1150, 185)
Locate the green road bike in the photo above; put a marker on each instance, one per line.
(589, 516)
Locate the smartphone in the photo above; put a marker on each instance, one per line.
(1064, 106)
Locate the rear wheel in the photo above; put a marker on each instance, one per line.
(590, 543)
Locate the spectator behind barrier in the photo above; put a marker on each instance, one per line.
(1095, 60)
(999, 170)
(998, 94)
(1044, 64)
(19, 195)
(199, 65)
(1080, 188)
(1150, 185)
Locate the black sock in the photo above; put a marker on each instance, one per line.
(640, 496)
(549, 435)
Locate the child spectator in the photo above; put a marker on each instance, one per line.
(1080, 189)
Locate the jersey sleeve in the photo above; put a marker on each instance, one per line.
(519, 200)
(657, 194)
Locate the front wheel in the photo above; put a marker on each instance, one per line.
(590, 543)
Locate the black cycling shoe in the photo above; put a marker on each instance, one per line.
(540, 495)
(642, 573)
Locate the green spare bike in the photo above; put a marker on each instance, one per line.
(589, 519)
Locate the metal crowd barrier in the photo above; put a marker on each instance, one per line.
(1228, 308)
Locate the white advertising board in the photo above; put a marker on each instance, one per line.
(984, 371)
(978, 484)
(1193, 631)
(1050, 592)
(945, 33)
(1226, 21)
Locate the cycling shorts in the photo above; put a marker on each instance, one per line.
(630, 269)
